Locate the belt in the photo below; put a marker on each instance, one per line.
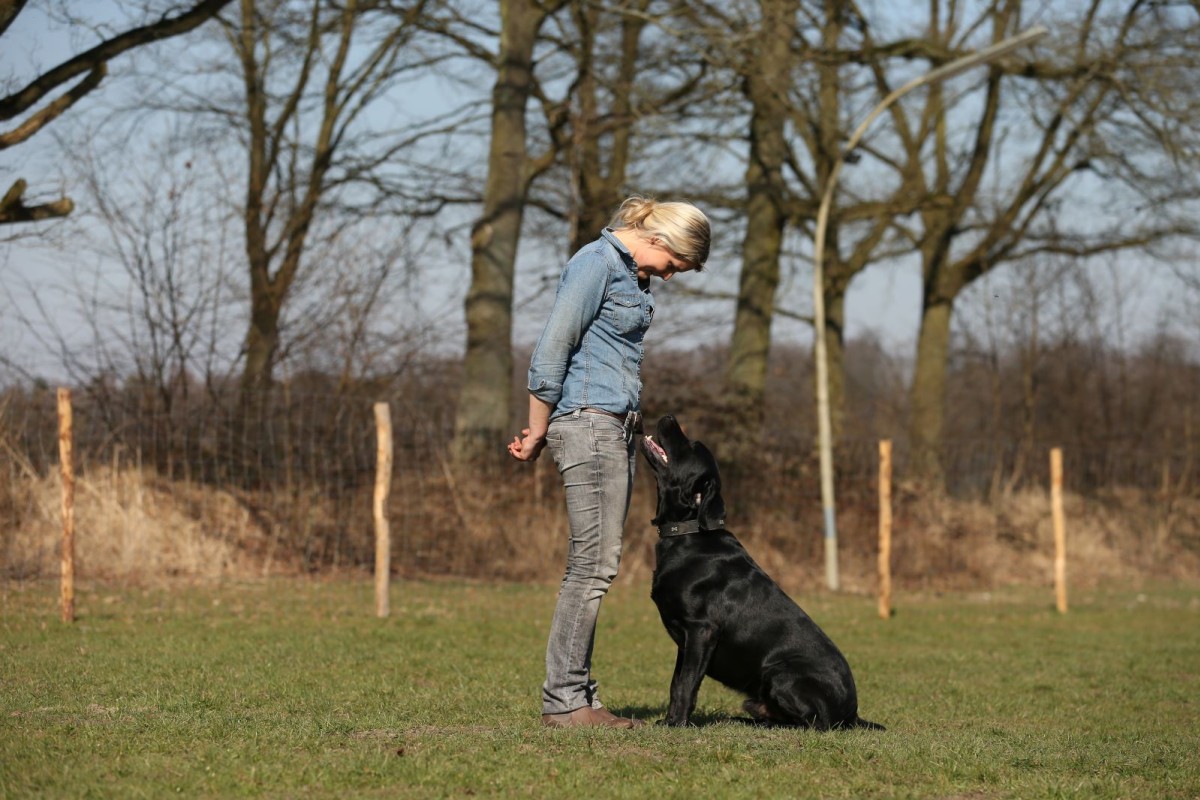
(612, 414)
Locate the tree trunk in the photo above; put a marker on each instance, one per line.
(262, 342)
(927, 397)
(262, 334)
(835, 359)
(766, 217)
(484, 412)
(751, 343)
(828, 145)
(268, 291)
(599, 186)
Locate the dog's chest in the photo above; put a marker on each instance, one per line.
(678, 600)
(668, 600)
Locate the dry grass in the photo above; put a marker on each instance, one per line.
(956, 544)
(134, 526)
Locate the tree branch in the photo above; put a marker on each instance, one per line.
(23, 100)
(54, 110)
(13, 208)
(9, 10)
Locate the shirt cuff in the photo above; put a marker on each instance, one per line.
(544, 390)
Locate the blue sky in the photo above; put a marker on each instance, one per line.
(884, 301)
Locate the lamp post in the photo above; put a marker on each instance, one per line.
(824, 426)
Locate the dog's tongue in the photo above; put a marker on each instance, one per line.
(653, 447)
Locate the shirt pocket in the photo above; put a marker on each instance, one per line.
(626, 312)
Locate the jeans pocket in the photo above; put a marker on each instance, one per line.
(569, 442)
(607, 432)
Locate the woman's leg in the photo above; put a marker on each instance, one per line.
(595, 462)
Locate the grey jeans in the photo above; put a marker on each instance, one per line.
(596, 462)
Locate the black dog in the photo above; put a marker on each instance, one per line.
(730, 620)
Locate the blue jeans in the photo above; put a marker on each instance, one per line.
(596, 462)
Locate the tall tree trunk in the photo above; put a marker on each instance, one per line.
(928, 393)
(484, 412)
(835, 355)
(262, 335)
(590, 200)
(269, 291)
(599, 186)
(262, 339)
(751, 343)
(829, 140)
(766, 85)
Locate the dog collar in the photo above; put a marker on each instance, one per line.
(686, 527)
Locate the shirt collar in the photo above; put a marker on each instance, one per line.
(610, 237)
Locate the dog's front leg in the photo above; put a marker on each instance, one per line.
(690, 665)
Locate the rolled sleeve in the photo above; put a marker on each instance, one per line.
(580, 294)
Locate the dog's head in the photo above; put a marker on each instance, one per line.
(689, 484)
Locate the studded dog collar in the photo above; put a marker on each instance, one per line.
(686, 527)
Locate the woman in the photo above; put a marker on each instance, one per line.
(585, 403)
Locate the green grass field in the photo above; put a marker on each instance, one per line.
(294, 689)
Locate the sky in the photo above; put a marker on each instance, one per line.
(884, 302)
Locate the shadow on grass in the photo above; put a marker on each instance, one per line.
(654, 715)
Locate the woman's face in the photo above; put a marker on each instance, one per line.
(655, 259)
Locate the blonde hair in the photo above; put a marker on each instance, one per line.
(682, 227)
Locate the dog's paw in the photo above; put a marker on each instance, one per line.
(674, 723)
(757, 709)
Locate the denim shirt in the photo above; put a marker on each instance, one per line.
(590, 353)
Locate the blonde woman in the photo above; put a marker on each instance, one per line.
(585, 403)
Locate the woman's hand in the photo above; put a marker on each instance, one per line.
(526, 447)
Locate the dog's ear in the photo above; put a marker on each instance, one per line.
(708, 487)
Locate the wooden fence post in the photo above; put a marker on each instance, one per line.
(383, 484)
(66, 460)
(1060, 532)
(885, 528)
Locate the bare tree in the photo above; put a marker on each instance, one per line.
(362, 326)
(768, 58)
(145, 276)
(485, 398)
(38, 103)
(309, 72)
(1001, 337)
(159, 224)
(1102, 108)
(598, 85)
(630, 72)
(803, 69)
(597, 140)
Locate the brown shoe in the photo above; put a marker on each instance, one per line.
(588, 717)
(633, 723)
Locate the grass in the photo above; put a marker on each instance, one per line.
(293, 688)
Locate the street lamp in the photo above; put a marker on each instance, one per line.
(824, 426)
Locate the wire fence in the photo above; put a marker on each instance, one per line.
(288, 479)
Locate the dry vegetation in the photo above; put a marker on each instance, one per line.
(134, 526)
(214, 494)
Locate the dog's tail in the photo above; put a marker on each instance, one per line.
(859, 722)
